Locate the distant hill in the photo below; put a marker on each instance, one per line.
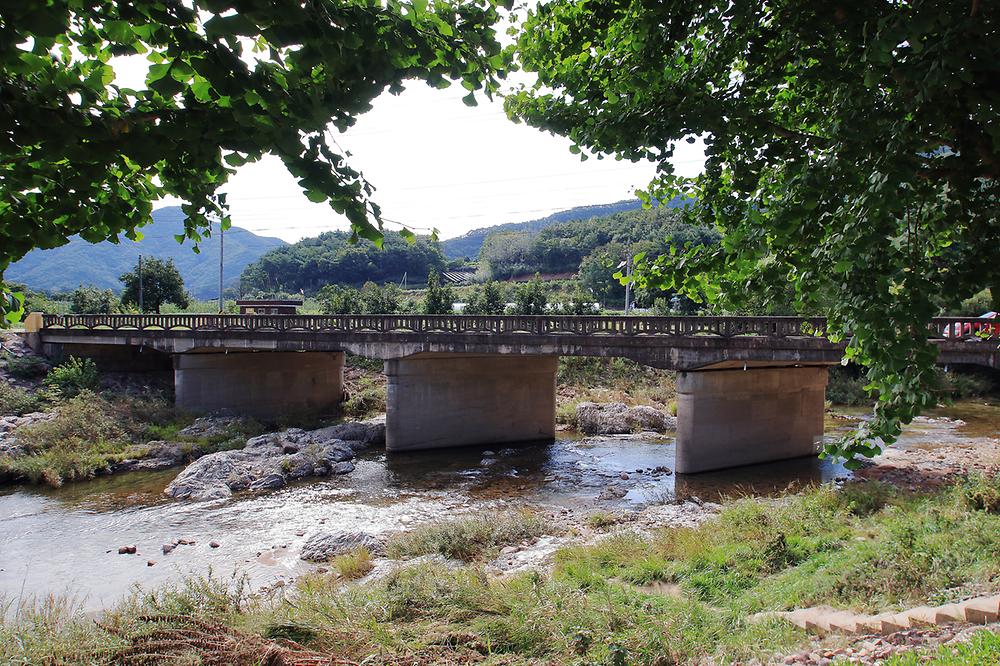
(469, 243)
(79, 262)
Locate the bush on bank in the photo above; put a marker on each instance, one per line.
(868, 548)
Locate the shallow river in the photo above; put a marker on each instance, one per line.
(66, 540)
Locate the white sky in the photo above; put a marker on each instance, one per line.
(436, 163)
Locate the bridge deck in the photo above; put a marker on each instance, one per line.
(681, 343)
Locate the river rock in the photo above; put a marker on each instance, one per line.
(321, 546)
(617, 418)
(273, 460)
(205, 427)
(160, 455)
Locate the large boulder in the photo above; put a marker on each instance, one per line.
(276, 459)
(617, 418)
(322, 546)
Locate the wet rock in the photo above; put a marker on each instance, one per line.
(321, 546)
(275, 459)
(213, 544)
(616, 418)
(127, 550)
(150, 563)
(168, 548)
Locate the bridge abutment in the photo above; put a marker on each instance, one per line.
(443, 400)
(263, 384)
(727, 418)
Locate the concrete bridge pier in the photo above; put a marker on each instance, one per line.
(727, 418)
(441, 400)
(265, 384)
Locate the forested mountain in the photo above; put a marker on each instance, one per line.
(79, 262)
(563, 247)
(331, 259)
(468, 244)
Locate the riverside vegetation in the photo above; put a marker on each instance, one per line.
(865, 547)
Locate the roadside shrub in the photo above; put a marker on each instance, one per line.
(25, 367)
(73, 376)
(467, 538)
(15, 401)
(960, 385)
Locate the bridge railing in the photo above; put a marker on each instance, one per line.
(956, 328)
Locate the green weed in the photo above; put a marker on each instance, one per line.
(467, 538)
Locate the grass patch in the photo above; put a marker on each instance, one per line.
(366, 397)
(16, 401)
(469, 538)
(353, 565)
(601, 519)
(983, 649)
(88, 434)
(868, 548)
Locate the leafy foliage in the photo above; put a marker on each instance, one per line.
(161, 283)
(91, 300)
(331, 258)
(530, 298)
(370, 299)
(25, 367)
(850, 152)
(227, 83)
(488, 298)
(438, 299)
(74, 376)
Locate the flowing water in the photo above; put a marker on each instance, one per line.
(66, 540)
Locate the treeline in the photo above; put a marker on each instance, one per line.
(331, 258)
(563, 247)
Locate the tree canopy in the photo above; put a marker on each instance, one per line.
(161, 283)
(852, 149)
(331, 258)
(228, 81)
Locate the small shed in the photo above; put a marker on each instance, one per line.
(269, 306)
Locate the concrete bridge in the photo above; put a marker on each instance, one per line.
(750, 389)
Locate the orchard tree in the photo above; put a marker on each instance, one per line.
(439, 298)
(161, 283)
(228, 81)
(852, 149)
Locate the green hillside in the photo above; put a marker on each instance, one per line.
(468, 244)
(79, 262)
(331, 258)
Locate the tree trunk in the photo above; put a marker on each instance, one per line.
(995, 295)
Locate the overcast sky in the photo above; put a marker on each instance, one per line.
(437, 163)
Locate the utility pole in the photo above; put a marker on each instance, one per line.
(628, 283)
(140, 285)
(222, 249)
